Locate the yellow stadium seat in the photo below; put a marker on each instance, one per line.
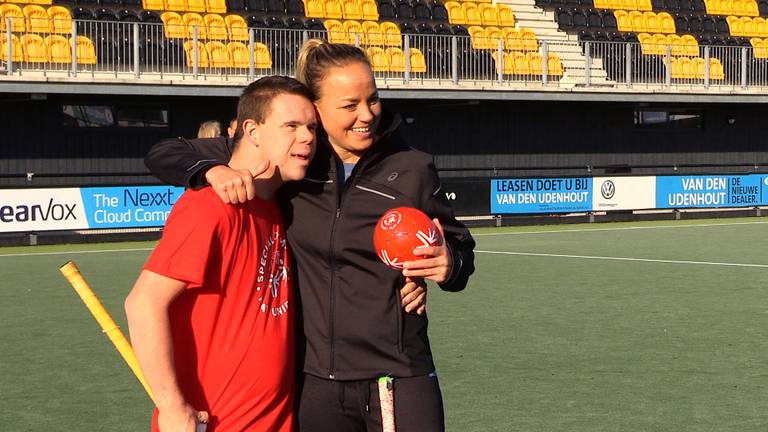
(554, 65)
(85, 51)
(373, 33)
(196, 6)
(153, 4)
(505, 65)
(370, 10)
(215, 6)
(711, 7)
(378, 58)
(218, 55)
(396, 59)
(455, 13)
(15, 14)
(629, 5)
(352, 10)
(193, 20)
(354, 28)
(37, 19)
(660, 43)
(493, 36)
(691, 45)
(652, 22)
(759, 49)
(173, 25)
(536, 63)
(522, 66)
(646, 44)
(750, 8)
(698, 67)
(477, 37)
(215, 27)
(34, 48)
(724, 6)
(16, 1)
(616, 4)
(333, 9)
(202, 54)
(512, 40)
(59, 50)
(41, 2)
(675, 72)
(530, 43)
(599, 4)
(175, 5)
(314, 8)
(676, 45)
(667, 22)
(748, 27)
(761, 26)
(336, 31)
(262, 57)
(716, 69)
(623, 22)
(472, 13)
(17, 53)
(418, 63)
(644, 5)
(734, 26)
(687, 68)
(239, 53)
(489, 14)
(638, 21)
(238, 29)
(737, 7)
(392, 36)
(506, 17)
(61, 20)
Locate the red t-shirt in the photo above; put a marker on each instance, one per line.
(233, 336)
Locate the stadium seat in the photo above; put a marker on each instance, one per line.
(512, 39)
(15, 14)
(216, 6)
(506, 17)
(202, 54)
(638, 21)
(59, 50)
(759, 49)
(61, 20)
(392, 36)
(691, 45)
(455, 13)
(352, 10)
(192, 21)
(472, 13)
(215, 27)
(489, 14)
(294, 8)
(373, 33)
(276, 7)
(41, 2)
(747, 27)
(652, 23)
(333, 9)
(676, 47)
(150, 17)
(660, 43)
(80, 13)
(716, 71)
(404, 10)
(17, 53)
(257, 6)
(623, 23)
(153, 5)
(314, 8)
(422, 10)
(262, 57)
(761, 26)
(530, 43)
(554, 65)
(439, 13)
(378, 58)
(418, 62)
(493, 36)
(629, 5)
(218, 55)
(477, 38)
(336, 31)
(34, 49)
(396, 59)
(646, 44)
(735, 26)
(37, 19)
(355, 28)
(521, 64)
(370, 10)
(238, 29)
(644, 5)
(173, 25)
(505, 65)
(751, 8)
(535, 62)
(239, 54)
(85, 50)
(687, 68)
(175, 5)
(667, 22)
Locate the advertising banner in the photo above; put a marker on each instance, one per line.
(541, 195)
(85, 208)
(710, 191)
(623, 193)
(467, 197)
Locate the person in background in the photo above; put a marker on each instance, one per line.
(209, 129)
(232, 128)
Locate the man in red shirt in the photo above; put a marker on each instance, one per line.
(211, 315)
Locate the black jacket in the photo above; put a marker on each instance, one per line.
(353, 323)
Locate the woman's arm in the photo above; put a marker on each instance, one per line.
(184, 162)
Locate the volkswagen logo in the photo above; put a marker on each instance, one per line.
(608, 189)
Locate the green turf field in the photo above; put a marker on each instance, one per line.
(611, 327)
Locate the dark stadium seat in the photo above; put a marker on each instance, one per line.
(422, 11)
(387, 10)
(104, 14)
(694, 24)
(564, 18)
(150, 17)
(274, 22)
(114, 4)
(256, 6)
(314, 24)
(276, 7)
(294, 23)
(459, 30)
(594, 20)
(81, 13)
(579, 20)
(235, 5)
(425, 29)
(439, 14)
(442, 29)
(699, 7)
(721, 25)
(681, 23)
(609, 19)
(132, 3)
(708, 25)
(294, 8)
(405, 10)
(87, 3)
(406, 27)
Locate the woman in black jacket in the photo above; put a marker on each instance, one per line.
(354, 328)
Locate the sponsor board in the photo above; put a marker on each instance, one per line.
(85, 208)
(541, 195)
(710, 191)
(623, 193)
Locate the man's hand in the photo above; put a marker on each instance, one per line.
(180, 418)
(436, 264)
(234, 186)
(413, 295)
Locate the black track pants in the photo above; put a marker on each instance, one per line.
(353, 406)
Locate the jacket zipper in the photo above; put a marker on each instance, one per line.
(332, 320)
(400, 325)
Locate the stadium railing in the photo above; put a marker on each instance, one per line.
(138, 52)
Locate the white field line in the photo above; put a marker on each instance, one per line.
(608, 258)
(74, 252)
(617, 229)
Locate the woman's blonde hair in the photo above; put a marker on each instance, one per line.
(209, 129)
(317, 56)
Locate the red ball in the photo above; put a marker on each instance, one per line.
(401, 230)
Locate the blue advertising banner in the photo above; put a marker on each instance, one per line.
(129, 206)
(541, 195)
(710, 191)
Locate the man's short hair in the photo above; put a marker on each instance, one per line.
(256, 100)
